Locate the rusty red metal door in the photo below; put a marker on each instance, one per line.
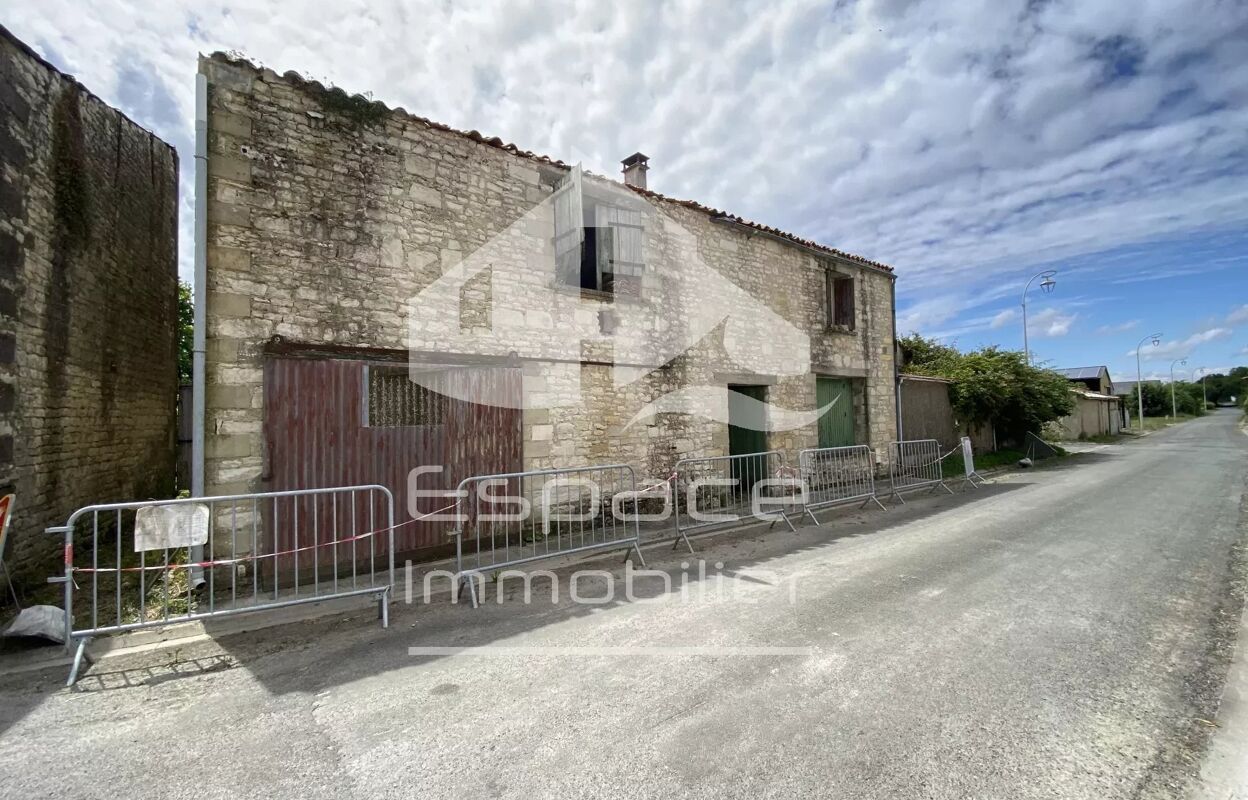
(320, 431)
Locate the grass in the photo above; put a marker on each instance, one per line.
(1159, 423)
(952, 467)
(1105, 438)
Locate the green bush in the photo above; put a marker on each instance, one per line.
(994, 386)
(1188, 399)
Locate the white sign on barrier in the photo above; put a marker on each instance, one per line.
(161, 527)
(968, 462)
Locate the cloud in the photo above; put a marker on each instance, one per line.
(924, 315)
(1003, 318)
(1121, 327)
(1175, 349)
(956, 141)
(1239, 316)
(1051, 323)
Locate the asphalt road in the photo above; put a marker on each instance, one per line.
(1064, 632)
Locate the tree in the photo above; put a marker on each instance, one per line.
(1157, 400)
(992, 385)
(1222, 388)
(186, 332)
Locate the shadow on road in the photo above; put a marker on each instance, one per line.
(318, 654)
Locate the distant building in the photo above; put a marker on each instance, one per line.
(1094, 379)
(1127, 388)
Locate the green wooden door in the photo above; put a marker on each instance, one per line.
(747, 422)
(836, 426)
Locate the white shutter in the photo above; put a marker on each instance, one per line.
(626, 241)
(569, 222)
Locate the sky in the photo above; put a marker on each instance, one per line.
(970, 145)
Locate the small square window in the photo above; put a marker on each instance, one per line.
(396, 401)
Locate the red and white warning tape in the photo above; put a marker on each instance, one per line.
(220, 562)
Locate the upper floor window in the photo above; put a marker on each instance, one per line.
(599, 241)
(839, 300)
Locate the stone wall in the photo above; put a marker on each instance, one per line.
(88, 279)
(334, 221)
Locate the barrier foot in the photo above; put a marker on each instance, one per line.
(873, 499)
(899, 498)
(79, 654)
(383, 608)
(634, 549)
(813, 518)
(680, 536)
(472, 588)
(788, 522)
(943, 486)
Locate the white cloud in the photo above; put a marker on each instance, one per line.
(1121, 327)
(1003, 318)
(957, 141)
(1239, 316)
(925, 314)
(1051, 323)
(1177, 348)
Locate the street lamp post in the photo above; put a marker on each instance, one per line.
(1139, 375)
(1174, 409)
(1204, 397)
(1046, 286)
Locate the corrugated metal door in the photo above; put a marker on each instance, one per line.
(836, 426)
(317, 435)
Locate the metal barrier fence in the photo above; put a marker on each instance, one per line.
(915, 465)
(134, 562)
(721, 490)
(835, 476)
(514, 518)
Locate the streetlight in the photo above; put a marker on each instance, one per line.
(1174, 410)
(1046, 286)
(1139, 375)
(1203, 396)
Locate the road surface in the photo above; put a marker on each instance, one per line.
(1064, 632)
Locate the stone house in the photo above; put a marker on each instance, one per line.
(88, 305)
(386, 293)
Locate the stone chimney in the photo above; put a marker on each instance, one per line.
(635, 167)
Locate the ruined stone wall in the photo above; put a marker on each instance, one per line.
(333, 221)
(88, 293)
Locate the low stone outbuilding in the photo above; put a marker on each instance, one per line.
(1095, 414)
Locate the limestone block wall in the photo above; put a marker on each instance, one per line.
(337, 222)
(88, 294)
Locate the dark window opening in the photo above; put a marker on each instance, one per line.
(839, 301)
(598, 244)
(396, 401)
